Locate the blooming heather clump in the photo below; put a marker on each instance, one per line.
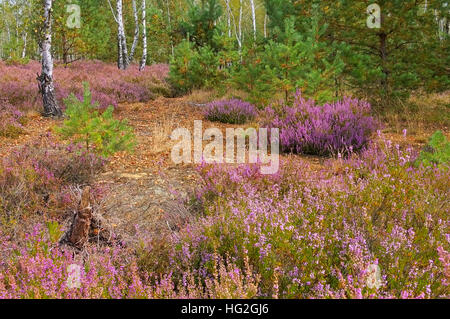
(109, 85)
(369, 226)
(42, 269)
(232, 111)
(322, 235)
(305, 127)
(35, 180)
(11, 121)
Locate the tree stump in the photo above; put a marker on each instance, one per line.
(78, 234)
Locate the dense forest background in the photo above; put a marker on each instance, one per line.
(268, 48)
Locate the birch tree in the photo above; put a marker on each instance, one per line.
(122, 56)
(136, 31)
(241, 8)
(24, 50)
(237, 26)
(252, 5)
(45, 79)
(227, 2)
(265, 25)
(144, 38)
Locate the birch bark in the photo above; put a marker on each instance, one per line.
(122, 50)
(121, 38)
(237, 32)
(136, 31)
(144, 38)
(265, 25)
(228, 17)
(240, 25)
(24, 50)
(45, 79)
(252, 4)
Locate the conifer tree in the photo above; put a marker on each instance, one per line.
(296, 61)
(201, 23)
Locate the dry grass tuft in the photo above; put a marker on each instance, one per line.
(202, 96)
(422, 113)
(161, 130)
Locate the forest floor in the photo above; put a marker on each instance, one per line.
(146, 191)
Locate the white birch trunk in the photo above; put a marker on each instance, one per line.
(228, 17)
(122, 55)
(240, 25)
(144, 38)
(136, 32)
(252, 4)
(121, 37)
(45, 79)
(265, 25)
(237, 33)
(24, 50)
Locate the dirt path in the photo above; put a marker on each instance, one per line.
(145, 190)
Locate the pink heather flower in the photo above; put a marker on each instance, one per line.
(232, 111)
(341, 127)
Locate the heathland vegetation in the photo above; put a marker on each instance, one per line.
(359, 91)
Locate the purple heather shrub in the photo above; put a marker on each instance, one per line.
(36, 180)
(232, 111)
(303, 233)
(340, 127)
(312, 234)
(109, 86)
(11, 121)
(42, 268)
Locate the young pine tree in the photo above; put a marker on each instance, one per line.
(296, 61)
(100, 133)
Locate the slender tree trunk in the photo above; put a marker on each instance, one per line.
(144, 38)
(24, 50)
(240, 18)
(252, 4)
(169, 21)
(122, 51)
(237, 33)
(45, 79)
(228, 17)
(121, 37)
(265, 25)
(17, 26)
(240, 25)
(120, 64)
(136, 32)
